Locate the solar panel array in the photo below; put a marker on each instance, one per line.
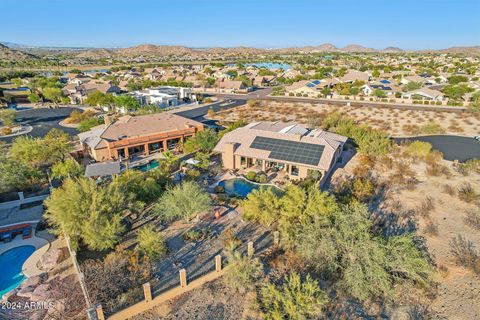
(300, 152)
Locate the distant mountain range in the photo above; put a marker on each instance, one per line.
(11, 51)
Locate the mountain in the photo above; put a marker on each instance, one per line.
(13, 55)
(392, 49)
(357, 48)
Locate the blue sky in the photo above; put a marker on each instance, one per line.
(409, 24)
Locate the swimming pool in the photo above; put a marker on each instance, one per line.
(241, 188)
(148, 166)
(270, 65)
(11, 263)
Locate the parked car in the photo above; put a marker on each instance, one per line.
(477, 138)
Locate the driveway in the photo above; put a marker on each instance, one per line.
(452, 147)
(43, 120)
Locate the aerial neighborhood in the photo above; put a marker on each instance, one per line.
(213, 181)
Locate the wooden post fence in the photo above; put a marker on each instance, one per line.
(276, 238)
(99, 310)
(250, 249)
(183, 278)
(218, 263)
(147, 292)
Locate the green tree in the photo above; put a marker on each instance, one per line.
(98, 98)
(183, 201)
(262, 206)
(294, 299)
(412, 85)
(87, 124)
(141, 186)
(366, 265)
(354, 91)
(370, 141)
(87, 212)
(375, 73)
(457, 79)
(456, 92)
(204, 141)
(127, 102)
(53, 94)
(68, 168)
(379, 93)
(34, 98)
(151, 243)
(15, 175)
(326, 92)
(243, 272)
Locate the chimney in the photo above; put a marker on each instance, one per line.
(297, 136)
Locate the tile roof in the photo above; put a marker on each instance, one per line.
(244, 137)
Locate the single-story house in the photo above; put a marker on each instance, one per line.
(286, 146)
(424, 93)
(137, 135)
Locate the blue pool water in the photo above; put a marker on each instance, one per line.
(148, 166)
(11, 263)
(270, 65)
(241, 188)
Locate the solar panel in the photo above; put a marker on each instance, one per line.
(292, 151)
(316, 82)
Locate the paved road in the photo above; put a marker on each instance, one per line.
(452, 147)
(43, 120)
(263, 94)
(200, 111)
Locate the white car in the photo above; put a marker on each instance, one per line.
(477, 138)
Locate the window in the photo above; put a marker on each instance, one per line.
(243, 161)
(294, 170)
(259, 162)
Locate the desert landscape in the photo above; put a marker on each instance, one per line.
(397, 122)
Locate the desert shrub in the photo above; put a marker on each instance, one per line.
(243, 271)
(464, 253)
(68, 168)
(192, 174)
(426, 207)
(77, 116)
(197, 234)
(436, 169)
(363, 188)
(418, 149)
(261, 178)
(89, 123)
(119, 273)
(469, 166)
(370, 141)
(151, 243)
(448, 189)
(230, 240)
(431, 128)
(5, 131)
(251, 175)
(467, 193)
(431, 228)
(473, 219)
(183, 201)
(219, 189)
(294, 299)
